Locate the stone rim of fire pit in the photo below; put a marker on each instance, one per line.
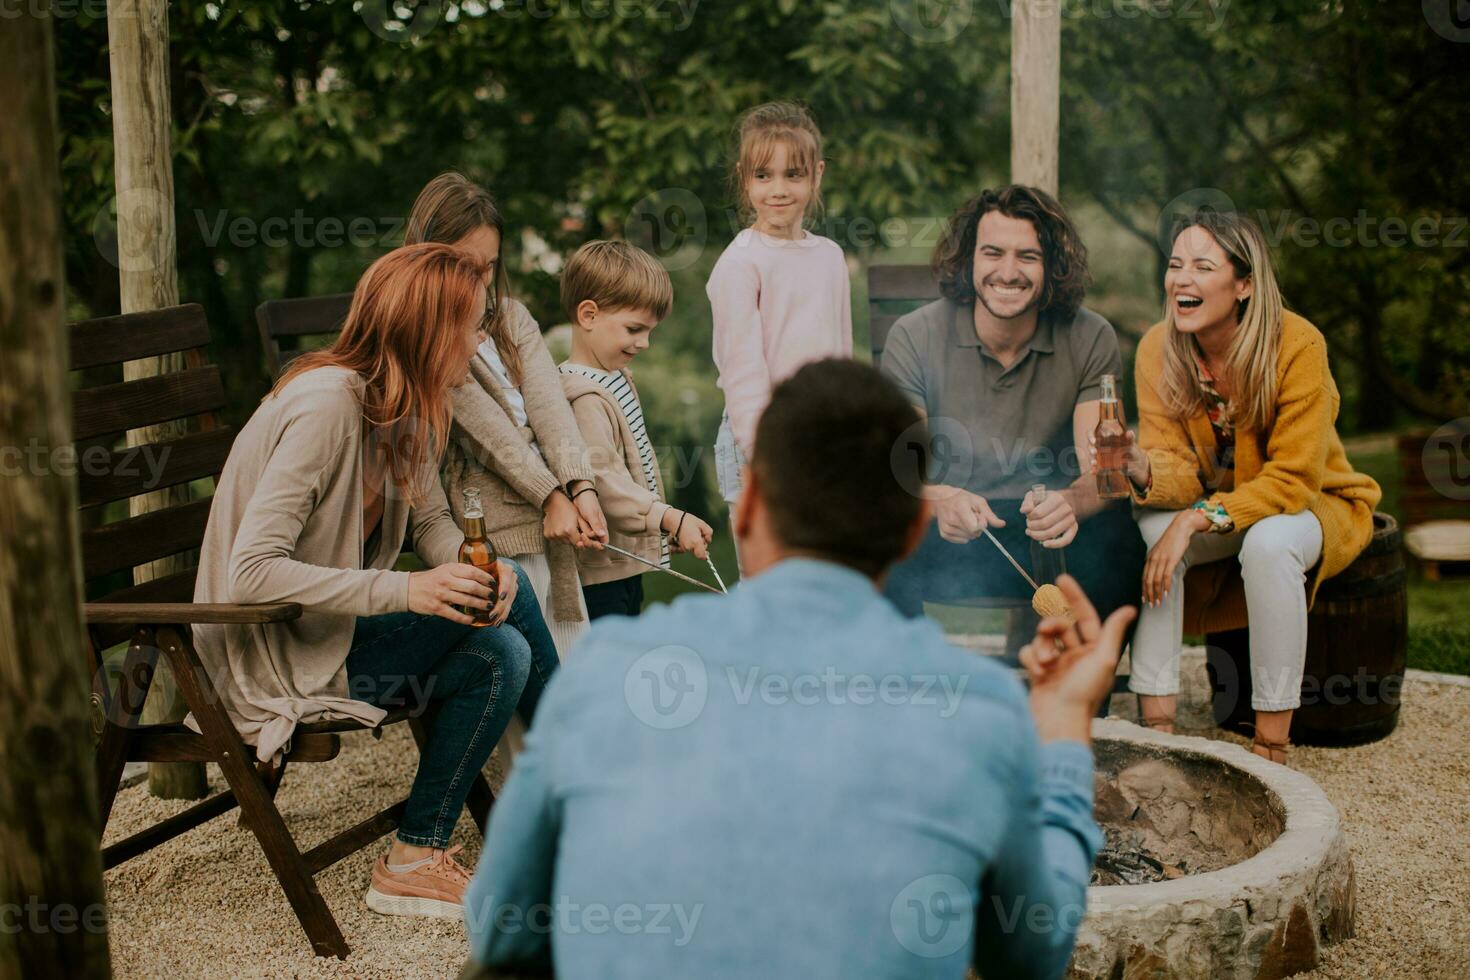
(1263, 917)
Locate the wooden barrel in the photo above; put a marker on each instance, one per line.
(1357, 639)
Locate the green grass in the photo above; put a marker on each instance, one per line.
(1439, 636)
(658, 587)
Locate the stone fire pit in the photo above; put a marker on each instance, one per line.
(1246, 870)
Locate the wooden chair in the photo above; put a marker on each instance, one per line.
(1433, 500)
(290, 320)
(154, 618)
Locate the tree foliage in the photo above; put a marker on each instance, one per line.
(582, 115)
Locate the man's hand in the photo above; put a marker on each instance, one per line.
(1071, 668)
(962, 515)
(1053, 522)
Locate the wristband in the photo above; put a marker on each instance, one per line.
(682, 514)
(591, 490)
(1219, 518)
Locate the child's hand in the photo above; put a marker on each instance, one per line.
(695, 537)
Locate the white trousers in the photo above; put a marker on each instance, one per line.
(1275, 554)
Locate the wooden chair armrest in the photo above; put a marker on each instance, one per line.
(131, 613)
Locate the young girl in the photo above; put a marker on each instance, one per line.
(1237, 455)
(336, 466)
(779, 294)
(514, 437)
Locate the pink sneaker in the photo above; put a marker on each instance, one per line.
(433, 887)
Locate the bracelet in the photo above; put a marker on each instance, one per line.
(592, 490)
(1218, 517)
(682, 514)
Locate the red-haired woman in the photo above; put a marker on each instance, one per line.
(338, 463)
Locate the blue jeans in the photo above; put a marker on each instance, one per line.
(478, 674)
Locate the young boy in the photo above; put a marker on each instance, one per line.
(615, 295)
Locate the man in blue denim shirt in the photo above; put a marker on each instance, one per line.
(795, 780)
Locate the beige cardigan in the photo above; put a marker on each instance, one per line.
(286, 526)
(489, 452)
(634, 509)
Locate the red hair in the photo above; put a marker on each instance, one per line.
(404, 337)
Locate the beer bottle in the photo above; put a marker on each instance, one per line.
(1111, 436)
(1047, 564)
(478, 551)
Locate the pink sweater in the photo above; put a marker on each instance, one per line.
(777, 305)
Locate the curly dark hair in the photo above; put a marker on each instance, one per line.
(1063, 254)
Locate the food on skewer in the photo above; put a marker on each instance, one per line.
(1049, 601)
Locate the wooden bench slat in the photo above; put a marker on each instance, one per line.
(117, 339)
(147, 401)
(139, 540)
(130, 472)
(303, 316)
(879, 326)
(912, 283)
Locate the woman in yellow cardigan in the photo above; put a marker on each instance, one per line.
(1237, 456)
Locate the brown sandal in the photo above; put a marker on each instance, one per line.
(1165, 725)
(1272, 749)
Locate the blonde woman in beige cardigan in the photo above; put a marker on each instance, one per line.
(514, 437)
(335, 468)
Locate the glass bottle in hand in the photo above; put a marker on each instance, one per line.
(1111, 437)
(1047, 564)
(478, 551)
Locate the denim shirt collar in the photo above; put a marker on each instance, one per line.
(802, 580)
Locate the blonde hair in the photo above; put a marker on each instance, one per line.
(615, 276)
(760, 131)
(1250, 364)
(450, 207)
(404, 337)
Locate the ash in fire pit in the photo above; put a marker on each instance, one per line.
(1166, 817)
(1217, 863)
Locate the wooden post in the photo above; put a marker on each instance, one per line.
(137, 39)
(1036, 64)
(51, 898)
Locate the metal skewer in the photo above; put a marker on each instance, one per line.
(712, 568)
(1014, 564)
(657, 567)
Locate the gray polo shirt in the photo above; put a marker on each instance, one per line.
(996, 431)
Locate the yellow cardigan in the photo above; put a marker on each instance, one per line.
(1299, 464)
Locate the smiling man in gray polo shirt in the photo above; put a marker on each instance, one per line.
(1007, 367)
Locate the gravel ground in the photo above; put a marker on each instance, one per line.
(207, 905)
